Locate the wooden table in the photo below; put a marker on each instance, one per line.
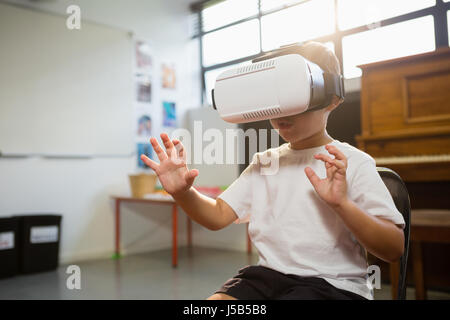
(170, 202)
(426, 226)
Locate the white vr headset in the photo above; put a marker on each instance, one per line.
(279, 83)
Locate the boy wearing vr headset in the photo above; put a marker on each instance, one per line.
(312, 222)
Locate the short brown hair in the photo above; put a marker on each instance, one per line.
(319, 54)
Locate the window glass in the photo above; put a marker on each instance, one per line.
(231, 43)
(299, 23)
(267, 5)
(228, 11)
(355, 13)
(448, 25)
(393, 41)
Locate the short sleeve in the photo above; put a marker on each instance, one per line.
(371, 195)
(239, 194)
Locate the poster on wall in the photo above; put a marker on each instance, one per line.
(169, 114)
(144, 111)
(143, 88)
(144, 60)
(144, 126)
(169, 79)
(143, 148)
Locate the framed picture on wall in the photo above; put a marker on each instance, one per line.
(143, 88)
(169, 79)
(144, 126)
(144, 59)
(169, 114)
(143, 148)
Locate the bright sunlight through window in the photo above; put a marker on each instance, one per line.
(231, 43)
(227, 12)
(393, 41)
(299, 23)
(355, 13)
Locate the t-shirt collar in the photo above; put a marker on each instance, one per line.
(309, 150)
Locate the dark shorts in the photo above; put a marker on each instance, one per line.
(258, 283)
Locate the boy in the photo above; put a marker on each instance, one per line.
(312, 222)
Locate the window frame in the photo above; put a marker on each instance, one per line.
(438, 11)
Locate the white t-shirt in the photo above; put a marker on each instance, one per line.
(294, 230)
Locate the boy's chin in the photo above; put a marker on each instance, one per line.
(292, 134)
(291, 137)
(287, 134)
(288, 137)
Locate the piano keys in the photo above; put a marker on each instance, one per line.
(418, 168)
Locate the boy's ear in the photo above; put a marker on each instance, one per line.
(335, 102)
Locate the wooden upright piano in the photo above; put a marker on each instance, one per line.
(405, 122)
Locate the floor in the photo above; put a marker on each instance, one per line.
(148, 276)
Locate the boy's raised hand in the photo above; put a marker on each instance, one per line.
(172, 170)
(333, 188)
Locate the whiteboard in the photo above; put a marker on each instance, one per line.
(63, 92)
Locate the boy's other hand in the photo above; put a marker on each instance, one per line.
(333, 188)
(172, 170)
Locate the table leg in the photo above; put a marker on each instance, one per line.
(417, 260)
(189, 232)
(249, 242)
(174, 236)
(117, 249)
(394, 270)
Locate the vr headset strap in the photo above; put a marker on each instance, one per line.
(334, 85)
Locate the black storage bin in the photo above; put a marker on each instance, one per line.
(9, 251)
(39, 237)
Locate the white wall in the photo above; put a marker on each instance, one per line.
(234, 236)
(80, 189)
(59, 80)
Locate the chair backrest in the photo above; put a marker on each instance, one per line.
(400, 195)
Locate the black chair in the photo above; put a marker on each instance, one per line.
(400, 195)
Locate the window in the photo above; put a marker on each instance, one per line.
(267, 5)
(448, 25)
(358, 31)
(355, 13)
(231, 43)
(226, 12)
(393, 41)
(294, 24)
